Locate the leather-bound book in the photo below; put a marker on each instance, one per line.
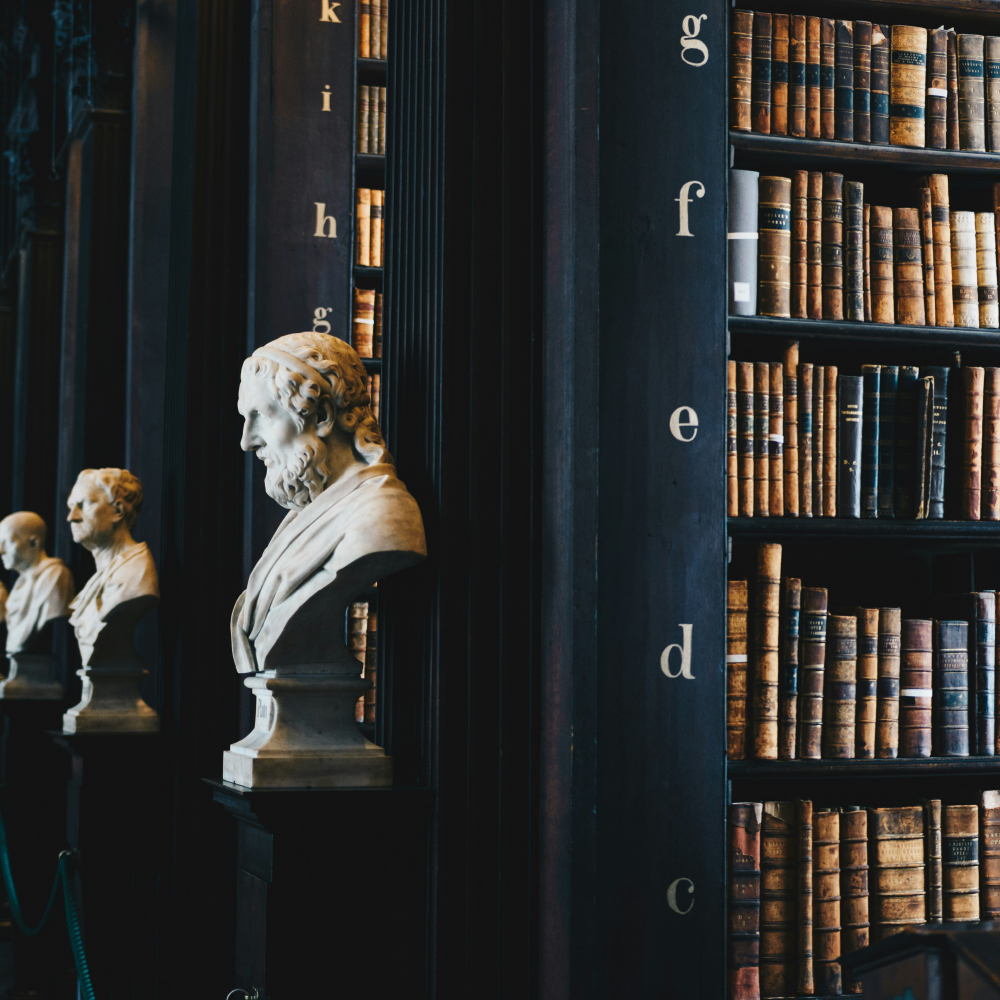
(986, 270)
(740, 68)
(939, 432)
(812, 660)
(964, 276)
(378, 200)
(800, 243)
(814, 249)
(357, 628)
(766, 647)
(922, 450)
(805, 982)
(951, 689)
(853, 886)
(805, 439)
(871, 375)
(854, 250)
(937, 89)
(862, 81)
(867, 223)
(779, 74)
(895, 870)
(745, 438)
(867, 690)
(954, 140)
(797, 75)
(880, 84)
(990, 505)
(888, 390)
(819, 436)
(791, 610)
(909, 266)
(826, 901)
(991, 74)
(813, 129)
(882, 267)
(736, 669)
(364, 30)
(833, 246)
(778, 903)
(791, 430)
(840, 687)
(742, 242)
(732, 461)
(774, 246)
(906, 441)
(363, 322)
(743, 974)
(827, 77)
(830, 418)
(915, 691)
(982, 673)
(376, 30)
(989, 854)
(907, 85)
(363, 219)
(380, 148)
(384, 30)
(941, 216)
(377, 338)
(972, 453)
(761, 435)
(363, 126)
(887, 709)
(971, 93)
(371, 667)
(849, 442)
(843, 82)
(776, 441)
(927, 234)
(933, 862)
(375, 391)
(960, 843)
(760, 79)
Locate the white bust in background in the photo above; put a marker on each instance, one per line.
(103, 507)
(44, 585)
(307, 417)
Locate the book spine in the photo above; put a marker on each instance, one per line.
(971, 93)
(380, 133)
(864, 736)
(937, 89)
(776, 441)
(378, 199)
(779, 74)
(833, 246)
(927, 231)
(951, 689)
(896, 870)
(888, 385)
(791, 428)
(849, 439)
(797, 76)
(800, 243)
(960, 849)
(819, 436)
(384, 30)
(909, 266)
(844, 81)
(907, 85)
(964, 277)
(840, 688)
(883, 272)
(363, 126)
(830, 413)
(363, 322)
(742, 242)
(766, 646)
(813, 129)
(906, 441)
(954, 139)
(788, 709)
(991, 79)
(736, 669)
(364, 30)
(982, 674)
(854, 197)
(853, 886)
(989, 850)
(868, 262)
(941, 216)
(371, 667)
(805, 400)
(732, 454)
(376, 30)
(743, 974)
(377, 338)
(745, 440)
(972, 455)
(872, 377)
(990, 480)
(915, 691)
(880, 84)
(778, 901)
(922, 449)
(827, 77)
(933, 861)
(814, 249)
(862, 81)
(774, 246)
(761, 435)
(986, 270)
(887, 709)
(805, 982)
(826, 901)
(363, 219)
(812, 660)
(939, 441)
(760, 79)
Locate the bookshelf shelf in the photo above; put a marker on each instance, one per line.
(899, 767)
(981, 533)
(369, 163)
(372, 70)
(372, 364)
(368, 277)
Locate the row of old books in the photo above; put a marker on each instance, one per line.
(863, 683)
(810, 884)
(362, 641)
(369, 213)
(809, 246)
(366, 322)
(373, 29)
(805, 441)
(371, 120)
(375, 391)
(855, 81)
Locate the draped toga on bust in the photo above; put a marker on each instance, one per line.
(39, 596)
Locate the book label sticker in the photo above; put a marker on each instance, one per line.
(684, 200)
(741, 291)
(672, 895)
(681, 419)
(693, 50)
(684, 648)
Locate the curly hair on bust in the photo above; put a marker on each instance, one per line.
(121, 487)
(337, 361)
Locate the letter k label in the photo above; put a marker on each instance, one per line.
(327, 11)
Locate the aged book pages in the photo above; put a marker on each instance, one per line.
(844, 81)
(776, 440)
(887, 709)
(941, 216)
(745, 442)
(854, 277)
(791, 610)
(791, 431)
(827, 77)
(812, 658)
(989, 850)
(862, 81)
(840, 687)
(779, 74)
(805, 981)
(872, 377)
(951, 689)
(933, 861)
(732, 454)
(888, 391)
(830, 442)
(965, 280)
(778, 903)
(990, 506)
(833, 246)
(937, 88)
(915, 690)
(826, 901)
(971, 93)
(774, 246)
(853, 886)
(867, 682)
(736, 669)
(813, 129)
(743, 974)
(907, 85)
(797, 76)
(954, 139)
(895, 870)
(927, 233)
(882, 268)
(766, 649)
(973, 380)
(760, 80)
(986, 270)
(814, 249)
(960, 826)
(761, 434)
(805, 399)
(909, 266)
(880, 84)
(800, 243)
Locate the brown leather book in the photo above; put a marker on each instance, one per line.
(791, 431)
(843, 82)
(363, 221)
(964, 272)
(907, 85)
(989, 852)
(800, 243)
(776, 441)
(830, 442)
(933, 861)
(375, 31)
(791, 614)
(766, 647)
(732, 461)
(736, 669)
(880, 84)
(357, 629)
(819, 437)
(986, 270)
(951, 689)
(927, 232)
(779, 74)
(378, 201)
(362, 120)
(827, 77)
(922, 453)
(384, 30)
(883, 271)
(864, 736)
(778, 903)
(740, 68)
(826, 901)
(909, 266)
(840, 687)
(887, 708)
(954, 139)
(797, 76)
(371, 667)
(833, 246)
(862, 81)
(760, 78)
(854, 251)
(806, 439)
(868, 262)
(743, 974)
(991, 73)
(761, 434)
(960, 825)
(990, 481)
(745, 428)
(774, 246)
(805, 983)
(937, 89)
(973, 381)
(364, 30)
(363, 322)
(941, 217)
(814, 247)
(971, 93)
(813, 127)
(895, 870)
(812, 659)
(915, 691)
(377, 338)
(853, 886)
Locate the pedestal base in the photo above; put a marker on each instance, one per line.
(31, 677)
(111, 703)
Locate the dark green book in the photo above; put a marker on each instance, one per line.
(871, 374)
(849, 446)
(935, 500)
(906, 419)
(843, 94)
(888, 388)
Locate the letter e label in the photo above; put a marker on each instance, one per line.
(683, 420)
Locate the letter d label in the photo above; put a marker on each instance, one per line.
(684, 648)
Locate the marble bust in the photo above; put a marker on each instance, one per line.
(41, 595)
(103, 507)
(307, 417)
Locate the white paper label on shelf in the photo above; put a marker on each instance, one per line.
(736, 658)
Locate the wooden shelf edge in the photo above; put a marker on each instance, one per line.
(369, 162)
(372, 66)
(372, 364)
(898, 767)
(980, 532)
(822, 329)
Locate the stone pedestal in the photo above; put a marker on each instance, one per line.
(110, 702)
(31, 677)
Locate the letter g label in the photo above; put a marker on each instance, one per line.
(693, 50)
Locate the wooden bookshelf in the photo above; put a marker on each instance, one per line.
(986, 533)
(896, 767)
